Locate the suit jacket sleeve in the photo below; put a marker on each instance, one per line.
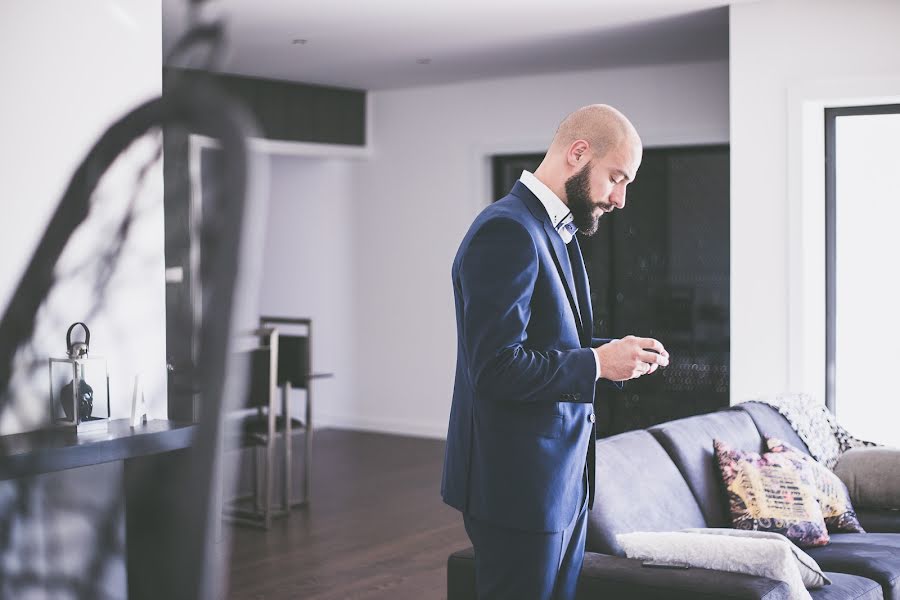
(497, 275)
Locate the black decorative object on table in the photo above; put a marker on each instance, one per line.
(79, 370)
(84, 393)
(78, 349)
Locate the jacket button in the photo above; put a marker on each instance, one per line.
(592, 418)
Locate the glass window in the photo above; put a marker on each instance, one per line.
(863, 320)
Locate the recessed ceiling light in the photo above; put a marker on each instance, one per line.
(299, 41)
(423, 61)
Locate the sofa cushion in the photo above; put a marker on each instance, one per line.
(877, 520)
(638, 488)
(769, 492)
(689, 442)
(848, 587)
(875, 556)
(604, 576)
(770, 423)
(834, 499)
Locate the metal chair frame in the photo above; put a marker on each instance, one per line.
(306, 383)
(263, 511)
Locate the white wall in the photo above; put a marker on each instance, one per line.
(427, 179)
(68, 72)
(789, 59)
(308, 267)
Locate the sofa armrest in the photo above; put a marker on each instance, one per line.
(872, 476)
(875, 520)
(605, 576)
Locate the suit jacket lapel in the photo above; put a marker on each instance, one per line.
(564, 267)
(584, 295)
(559, 253)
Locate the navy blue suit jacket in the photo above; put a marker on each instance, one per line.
(522, 422)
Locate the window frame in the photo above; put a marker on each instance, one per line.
(831, 116)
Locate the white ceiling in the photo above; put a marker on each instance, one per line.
(376, 44)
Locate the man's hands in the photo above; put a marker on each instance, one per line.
(631, 357)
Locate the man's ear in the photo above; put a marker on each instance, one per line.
(578, 153)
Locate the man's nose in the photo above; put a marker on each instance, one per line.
(617, 198)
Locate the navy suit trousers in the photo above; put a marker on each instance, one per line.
(525, 565)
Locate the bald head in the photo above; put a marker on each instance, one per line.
(594, 155)
(601, 125)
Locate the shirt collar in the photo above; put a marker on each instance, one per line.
(560, 215)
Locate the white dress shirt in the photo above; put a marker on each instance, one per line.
(560, 216)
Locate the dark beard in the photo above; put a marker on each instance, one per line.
(578, 195)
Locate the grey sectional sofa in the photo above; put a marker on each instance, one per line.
(665, 479)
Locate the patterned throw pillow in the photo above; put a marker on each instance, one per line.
(834, 499)
(772, 493)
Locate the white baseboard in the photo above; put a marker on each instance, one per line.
(381, 425)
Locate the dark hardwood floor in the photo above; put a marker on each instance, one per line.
(376, 527)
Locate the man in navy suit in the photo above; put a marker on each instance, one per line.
(519, 461)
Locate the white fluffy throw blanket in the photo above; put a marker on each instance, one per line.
(815, 425)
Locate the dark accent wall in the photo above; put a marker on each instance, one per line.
(284, 111)
(294, 112)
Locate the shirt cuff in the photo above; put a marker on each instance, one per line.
(597, 361)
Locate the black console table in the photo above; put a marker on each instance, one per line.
(155, 456)
(36, 452)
